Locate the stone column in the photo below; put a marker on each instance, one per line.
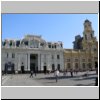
(42, 61)
(39, 66)
(25, 62)
(19, 65)
(62, 61)
(28, 61)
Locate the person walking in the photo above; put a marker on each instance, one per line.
(56, 75)
(31, 75)
(71, 73)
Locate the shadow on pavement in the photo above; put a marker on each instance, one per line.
(85, 78)
(53, 78)
(91, 84)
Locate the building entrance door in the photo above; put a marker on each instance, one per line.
(22, 69)
(34, 62)
(45, 69)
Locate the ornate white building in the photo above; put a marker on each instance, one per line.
(32, 52)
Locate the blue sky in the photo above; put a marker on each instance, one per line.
(52, 27)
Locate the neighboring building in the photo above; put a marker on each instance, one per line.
(84, 56)
(78, 42)
(80, 60)
(32, 52)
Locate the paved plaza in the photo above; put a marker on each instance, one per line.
(49, 79)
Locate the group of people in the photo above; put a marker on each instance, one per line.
(57, 73)
(31, 73)
(72, 72)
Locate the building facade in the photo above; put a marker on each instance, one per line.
(34, 53)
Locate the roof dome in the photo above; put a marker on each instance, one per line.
(87, 21)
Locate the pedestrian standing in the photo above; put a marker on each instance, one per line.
(31, 75)
(57, 74)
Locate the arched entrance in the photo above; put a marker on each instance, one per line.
(9, 68)
(34, 62)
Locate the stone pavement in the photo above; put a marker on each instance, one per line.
(49, 80)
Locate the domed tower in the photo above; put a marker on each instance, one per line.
(89, 40)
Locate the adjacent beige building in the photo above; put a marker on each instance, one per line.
(85, 54)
